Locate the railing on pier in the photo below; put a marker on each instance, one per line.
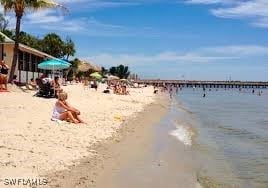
(207, 84)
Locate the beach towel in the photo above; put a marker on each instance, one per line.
(57, 121)
(4, 91)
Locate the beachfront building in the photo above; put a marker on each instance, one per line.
(28, 59)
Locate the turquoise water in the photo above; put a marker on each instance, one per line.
(231, 135)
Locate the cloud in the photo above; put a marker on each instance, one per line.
(52, 21)
(43, 17)
(255, 11)
(167, 58)
(90, 5)
(250, 9)
(141, 59)
(238, 50)
(47, 20)
(212, 1)
(203, 63)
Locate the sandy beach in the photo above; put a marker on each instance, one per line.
(33, 146)
(131, 142)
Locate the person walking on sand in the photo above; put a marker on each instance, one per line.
(64, 112)
(3, 74)
(170, 91)
(177, 89)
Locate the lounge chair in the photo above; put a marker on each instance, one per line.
(44, 90)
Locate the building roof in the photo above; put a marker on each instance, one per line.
(34, 51)
(23, 47)
(6, 38)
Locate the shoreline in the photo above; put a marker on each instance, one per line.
(90, 171)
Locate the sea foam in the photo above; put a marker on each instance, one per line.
(183, 134)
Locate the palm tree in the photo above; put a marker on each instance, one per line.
(53, 45)
(104, 71)
(122, 71)
(3, 22)
(69, 48)
(19, 7)
(74, 67)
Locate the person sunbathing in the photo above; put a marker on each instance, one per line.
(118, 90)
(32, 85)
(64, 112)
(15, 81)
(124, 90)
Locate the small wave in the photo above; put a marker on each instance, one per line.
(180, 106)
(183, 134)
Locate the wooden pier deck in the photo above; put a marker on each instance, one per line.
(207, 84)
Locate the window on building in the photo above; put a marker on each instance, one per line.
(20, 60)
(1, 51)
(33, 64)
(20, 65)
(20, 56)
(39, 60)
(26, 61)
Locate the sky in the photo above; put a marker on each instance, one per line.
(165, 39)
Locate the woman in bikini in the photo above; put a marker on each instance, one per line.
(3, 74)
(64, 112)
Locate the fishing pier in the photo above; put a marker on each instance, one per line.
(206, 84)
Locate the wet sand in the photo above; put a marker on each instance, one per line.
(141, 155)
(89, 169)
(150, 158)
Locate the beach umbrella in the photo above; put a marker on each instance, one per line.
(124, 80)
(112, 77)
(54, 64)
(96, 75)
(85, 66)
(97, 68)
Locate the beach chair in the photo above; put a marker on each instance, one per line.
(44, 90)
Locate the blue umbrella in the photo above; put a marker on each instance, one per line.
(54, 64)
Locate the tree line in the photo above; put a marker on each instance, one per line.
(51, 43)
(120, 71)
(54, 45)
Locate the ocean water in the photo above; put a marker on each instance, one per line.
(228, 132)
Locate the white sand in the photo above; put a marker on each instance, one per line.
(31, 144)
